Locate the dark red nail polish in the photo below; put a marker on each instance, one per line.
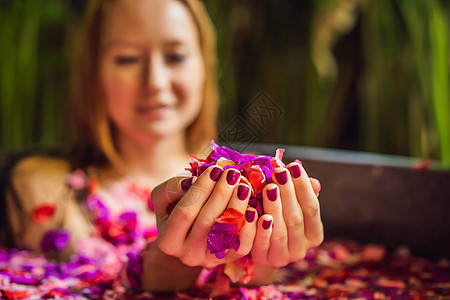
(266, 224)
(215, 173)
(232, 177)
(295, 171)
(272, 194)
(170, 207)
(186, 184)
(250, 215)
(242, 192)
(281, 177)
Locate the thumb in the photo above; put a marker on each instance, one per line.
(315, 183)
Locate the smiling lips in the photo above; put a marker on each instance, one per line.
(155, 111)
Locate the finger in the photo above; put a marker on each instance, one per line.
(240, 197)
(315, 183)
(292, 214)
(213, 208)
(246, 237)
(262, 240)
(278, 250)
(186, 211)
(309, 204)
(239, 202)
(248, 232)
(169, 193)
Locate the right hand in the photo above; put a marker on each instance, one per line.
(183, 231)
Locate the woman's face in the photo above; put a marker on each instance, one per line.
(152, 69)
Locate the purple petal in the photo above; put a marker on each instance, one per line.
(90, 275)
(94, 204)
(130, 220)
(134, 270)
(55, 240)
(25, 279)
(4, 256)
(256, 204)
(265, 164)
(222, 237)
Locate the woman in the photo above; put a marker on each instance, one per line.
(145, 97)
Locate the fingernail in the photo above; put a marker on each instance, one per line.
(266, 224)
(170, 207)
(318, 182)
(232, 177)
(186, 184)
(272, 194)
(295, 171)
(281, 177)
(299, 162)
(250, 215)
(215, 173)
(243, 192)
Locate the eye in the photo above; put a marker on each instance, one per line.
(126, 60)
(176, 58)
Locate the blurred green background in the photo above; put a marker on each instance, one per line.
(368, 75)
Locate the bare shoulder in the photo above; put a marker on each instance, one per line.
(40, 179)
(40, 168)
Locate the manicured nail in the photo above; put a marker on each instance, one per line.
(318, 183)
(243, 192)
(266, 224)
(233, 177)
(281, 177)
(299, 162)
(215, 173)
(186, 184)
(250, 215)
(295, 171)
(272, 194)
(170, 207)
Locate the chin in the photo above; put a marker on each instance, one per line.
(162, 131)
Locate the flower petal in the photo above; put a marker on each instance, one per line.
(233, 217)
(42, 213)
(55, 240)
(222, 237)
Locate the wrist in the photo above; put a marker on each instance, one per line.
(264, 275)
(164, 273)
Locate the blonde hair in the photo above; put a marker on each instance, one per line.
(94, 142)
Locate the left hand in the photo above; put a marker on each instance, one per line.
(291, 224)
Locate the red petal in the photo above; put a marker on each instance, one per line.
(54, 292)
(16, 295)
(246, 264)
(233, 217)
(257, 180)
(277, 161)
(149, 203)
(422, 165)
(42, 213)
(115, 230)
(93, 184)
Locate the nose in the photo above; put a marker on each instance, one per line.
(156, 75)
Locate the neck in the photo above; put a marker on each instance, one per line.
(155, 160)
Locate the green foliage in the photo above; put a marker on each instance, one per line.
(384, 86)
(33, 73)
(405, 96)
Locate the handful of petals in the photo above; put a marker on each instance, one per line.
(256, 171)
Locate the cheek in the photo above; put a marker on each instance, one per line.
(120, 90)
(120, 87)
(190, 87)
